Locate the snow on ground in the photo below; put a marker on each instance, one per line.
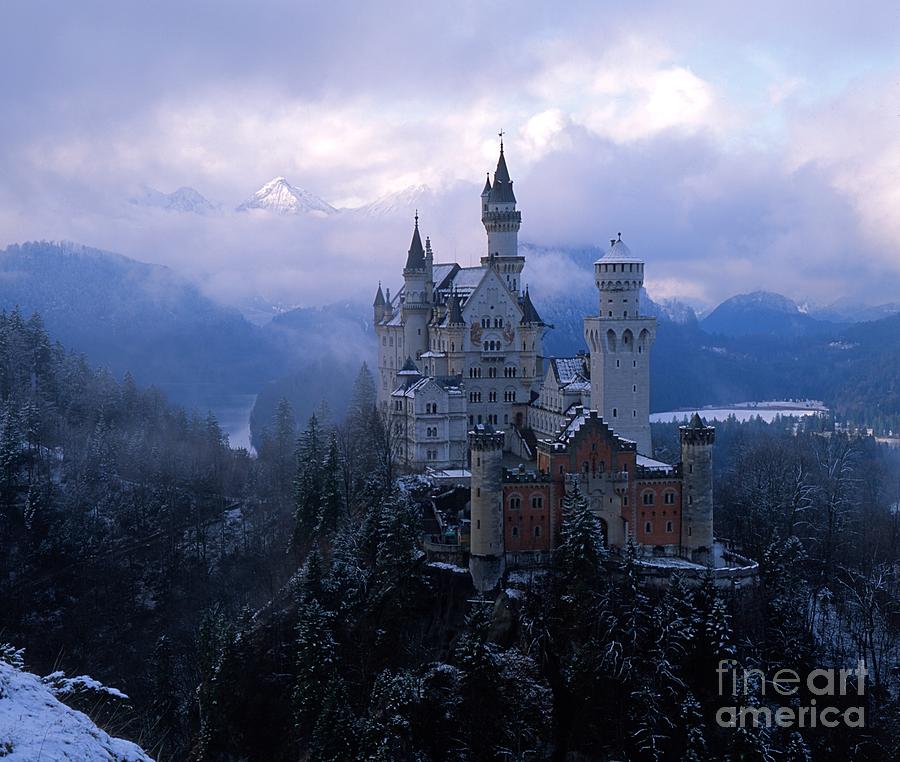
(669, 562)
(745, 411)
(35, 725)
(447, 567)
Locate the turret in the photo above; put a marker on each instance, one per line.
(378, 305)
(416, 297)
(697, 493)
(486, 552)
(502, 222)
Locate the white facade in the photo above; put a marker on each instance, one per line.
(468, 328)
(619, 340)
(566, 385)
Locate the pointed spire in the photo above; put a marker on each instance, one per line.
(529, 313)
(502, 191)
(487, 186)
(416, 255)
(696, 422)
(379, 297)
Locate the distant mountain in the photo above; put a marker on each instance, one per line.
(281, 197)
(128, 315)
(760, 313)
(402, 202)
(182, 200)
(847, 310)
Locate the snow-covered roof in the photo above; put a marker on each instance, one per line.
(617, 252)
(653, 465)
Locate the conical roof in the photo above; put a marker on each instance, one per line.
(502, 190)
(529, 313)
(379, 296)
(696, 422)
(409, 368)
(415, 259)
(487, 186)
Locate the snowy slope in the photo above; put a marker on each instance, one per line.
(34, 725)
(182, 200)
(402, 202)
(280, 196)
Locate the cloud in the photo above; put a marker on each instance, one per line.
(731, 155)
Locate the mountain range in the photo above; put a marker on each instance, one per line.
(128, 315)
(278, 196)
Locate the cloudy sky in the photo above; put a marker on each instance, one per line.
(735, 147)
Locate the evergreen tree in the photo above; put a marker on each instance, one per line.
(334, 735)
(308, 484)
(316, 660)
(331, 508)
(581, 548)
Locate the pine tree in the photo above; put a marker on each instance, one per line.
(334, 733)
(308, 484)
(316, 659)
(282, 448)
(331, 507)
(581, 550)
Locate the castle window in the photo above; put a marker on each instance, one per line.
(624, 499)
(478, 522)
(471, 420)
(634, 387)
(485, 346)
(515, 502)
(537, 501)
(691, 468)
(634, 413)
(492, 396)
(634, 363)
(478, 494)
(537, 531)
(384, 341)
(618, 363)
(647, 498)
(669, 526)
(669, 498)
(610, 313)
(648, 527)
(515, 531)
(615, 412)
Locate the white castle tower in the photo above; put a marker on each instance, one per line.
(502, 223)
(619, 340)
(418, 284)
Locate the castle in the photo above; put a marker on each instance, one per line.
(463, 381)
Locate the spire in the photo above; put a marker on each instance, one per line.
(379, 297)
(487, 186)
(502, 190)
(696, 422)
(416, 255)
(529, 313)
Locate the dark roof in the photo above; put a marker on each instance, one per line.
(487, 185)
(454, 313)
(502, 190)
(696, 422)
(379, 297)
(529, 313)
(415, 259)
(409, 367)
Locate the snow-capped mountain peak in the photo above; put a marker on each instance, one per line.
(279, 196)
(402, 201)
(185, 199)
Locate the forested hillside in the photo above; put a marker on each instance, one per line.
(280, 607)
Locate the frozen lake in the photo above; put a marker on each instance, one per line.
(232, 410)
(745, 411)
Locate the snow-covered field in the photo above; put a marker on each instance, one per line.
(744, 411)
(35, 725)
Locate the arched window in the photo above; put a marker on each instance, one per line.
(647, 498)
(515, 531)
(648, 527)
(537, 531)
